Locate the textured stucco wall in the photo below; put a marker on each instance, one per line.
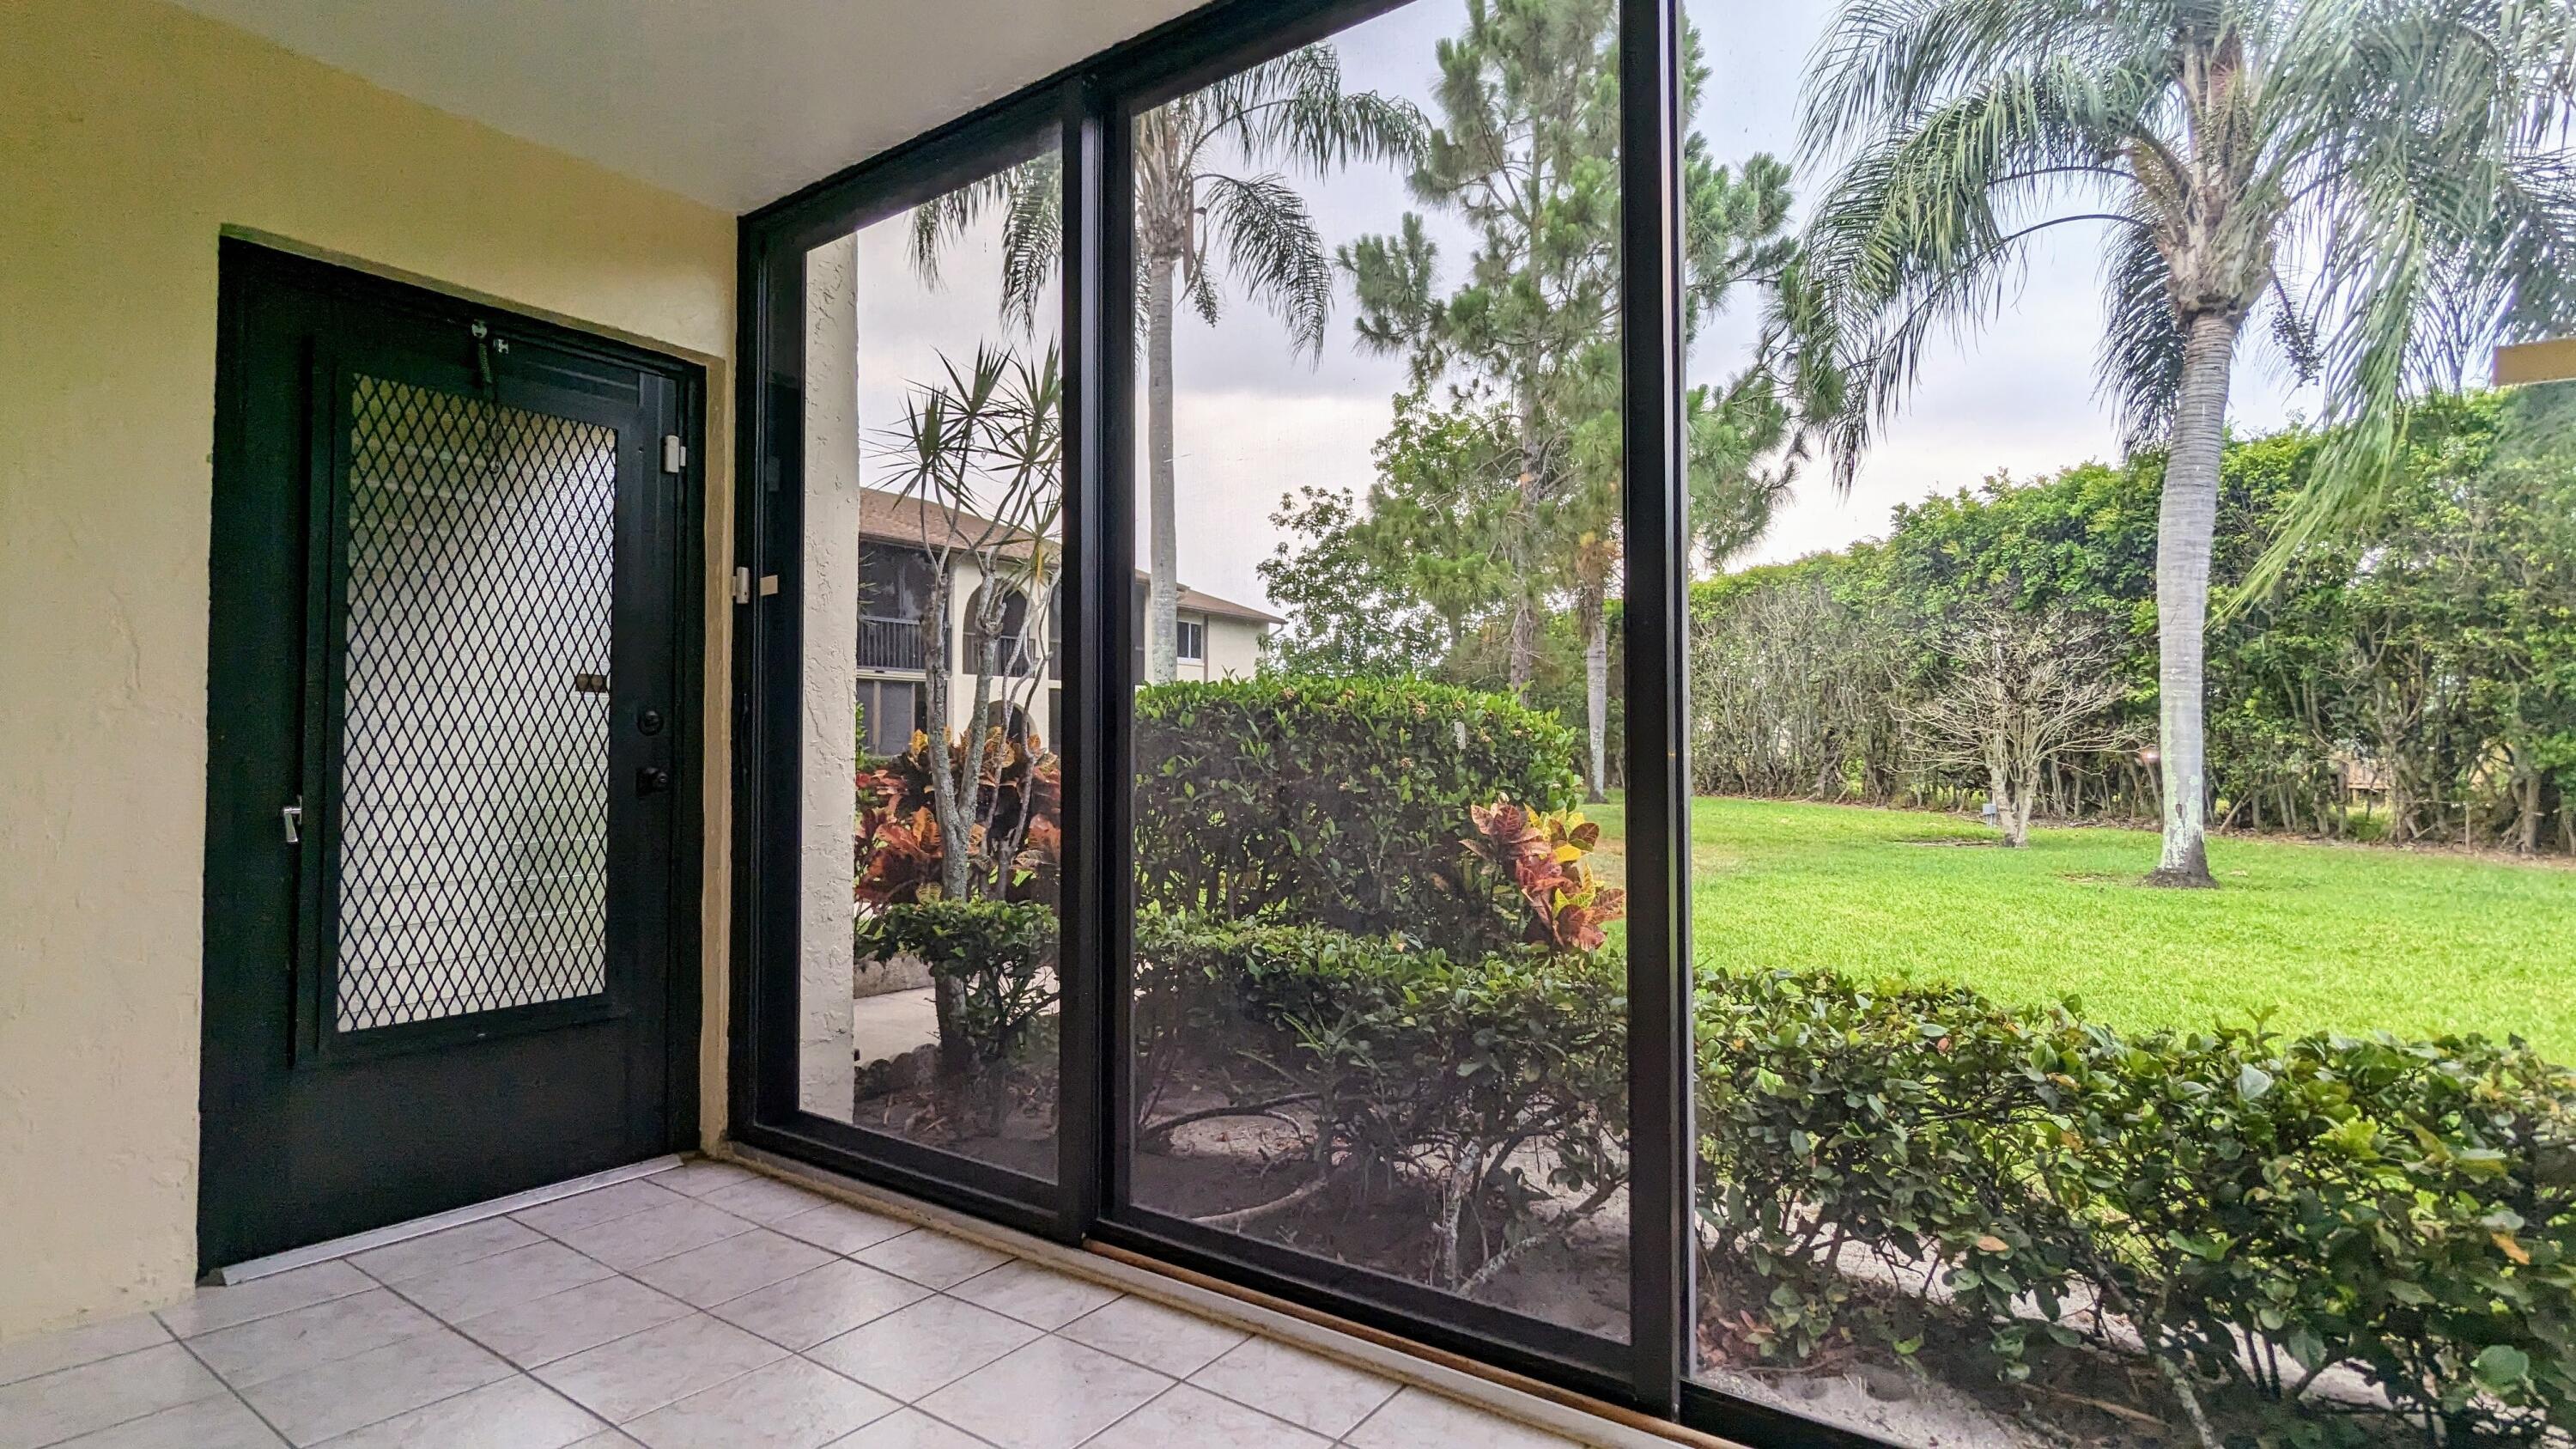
(829, 585)
(131, 136)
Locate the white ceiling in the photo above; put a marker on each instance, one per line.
(733, 102)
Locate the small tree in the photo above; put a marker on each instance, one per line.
(980, 452)
(2019, 689)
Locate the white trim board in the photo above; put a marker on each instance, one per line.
(436, 1222)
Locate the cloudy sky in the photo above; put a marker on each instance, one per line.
(1253, 422)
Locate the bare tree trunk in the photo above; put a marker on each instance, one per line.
(1162, 593)
(1524, 645)
(1595, 615)
(2186, 520)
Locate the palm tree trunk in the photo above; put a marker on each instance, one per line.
(1163, 591)
(2186, 521)
(1594, 612)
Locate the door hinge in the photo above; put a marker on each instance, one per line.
(675, 454)
(742, 586)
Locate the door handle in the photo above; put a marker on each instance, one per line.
(293, 816)
(652, 780)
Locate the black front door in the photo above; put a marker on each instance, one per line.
(445, 757)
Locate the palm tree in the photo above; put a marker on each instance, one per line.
(2387, 180)
(1193, 214)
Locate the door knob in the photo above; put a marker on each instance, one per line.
(652, 780)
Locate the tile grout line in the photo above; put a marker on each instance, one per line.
(238, 1396)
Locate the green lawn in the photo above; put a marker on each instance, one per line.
(2323, 936)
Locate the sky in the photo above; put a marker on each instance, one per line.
(1254, 421)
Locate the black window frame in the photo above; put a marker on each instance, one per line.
(1088, 110)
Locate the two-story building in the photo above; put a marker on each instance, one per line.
(1219, 638)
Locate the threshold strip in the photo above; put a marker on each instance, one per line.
(436, 1222)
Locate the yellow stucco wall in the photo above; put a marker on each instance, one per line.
(131, 136)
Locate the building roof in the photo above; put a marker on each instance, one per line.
(896, 518)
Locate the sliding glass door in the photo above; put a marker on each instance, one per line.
(1376, 1021)
(1405, 654)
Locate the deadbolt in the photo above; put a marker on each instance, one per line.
(650, 721)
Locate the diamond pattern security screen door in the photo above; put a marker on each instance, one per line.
(473, 809)
(451, 702)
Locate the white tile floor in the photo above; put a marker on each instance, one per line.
(703, 1306)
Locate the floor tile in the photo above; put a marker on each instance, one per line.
(488, 1285)
(1415, 1417)
(1053, 1394)
(317, 1403)
(1186, 1417)
(764, 1199)
(912, 1351)
(637, 1374)
(95, 1395)
(802, 1311)
(1166, 1339)
(913, 1429)
(1290, 1383)
(790, 1404)
(731, 1267)
(223, 1423)
(411, 1258)
(214, 1308)
(562, 1324)
(264, 1348)
(841, 1227)
(630, 1242)
(1033, 1294)
(931, 1259)
(696, 1179)
(599, 1205)
(608, 1439)
(72, 1347)
(516, 1413)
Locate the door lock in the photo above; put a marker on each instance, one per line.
(652, 780)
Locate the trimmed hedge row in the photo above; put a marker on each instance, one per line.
(2253, 1209)
(1460, 1076)
(1332, 802)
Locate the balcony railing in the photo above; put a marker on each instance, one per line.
(888, 642)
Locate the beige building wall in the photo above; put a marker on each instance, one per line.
(132, 135)
(1233, 648)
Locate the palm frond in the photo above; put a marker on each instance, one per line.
(1268, 240)
(1030, 198)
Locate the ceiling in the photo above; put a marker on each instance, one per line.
(732, 102)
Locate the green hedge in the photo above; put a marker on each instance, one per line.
(995, 962)
(1332, 802)
(2409, 1207)
(1453, 1076)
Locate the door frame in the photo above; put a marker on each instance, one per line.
(245, 264)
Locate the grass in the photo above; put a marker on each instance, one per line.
(2322, 937)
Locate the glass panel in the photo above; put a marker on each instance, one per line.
(473, 812)
(2003, 1138)
(1379, 1014)
(933, 494)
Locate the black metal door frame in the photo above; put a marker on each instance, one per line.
(1089, 110)
(250, 906)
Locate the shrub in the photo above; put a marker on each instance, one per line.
(994, 960)
(1457, 1076)
(1018, 807)
(1334, 802)
(2253, 1209)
